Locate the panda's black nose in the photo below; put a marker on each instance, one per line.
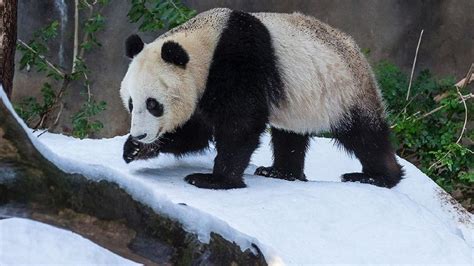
(140, 137)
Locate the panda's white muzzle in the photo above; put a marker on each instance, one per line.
(143, 128)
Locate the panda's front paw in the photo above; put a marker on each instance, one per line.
(131, 149)
(272, 172)
(211, 181)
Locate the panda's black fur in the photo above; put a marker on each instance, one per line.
(244, 78)
(173, 53)
(133, 45)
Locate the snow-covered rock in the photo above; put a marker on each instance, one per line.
(319, 221)
(27, 242)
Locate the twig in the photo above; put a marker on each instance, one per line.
(61, 107)
(438, 161)
(413, 66)
(446, 154)
(57, 99)
(431, 112)
(86, 36)
(88, 87)
(41, 122)
(51, 65)
(41, 134)
(462, 81)
(468, 75)
(176, 7)
(461, 84)
(465, 115)
(406, 106)
(463, 98)
(468, 96)
(76, 35)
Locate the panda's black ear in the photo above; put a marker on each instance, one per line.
(133, 45)
(174, 53)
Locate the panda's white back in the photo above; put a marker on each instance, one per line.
(319, 84)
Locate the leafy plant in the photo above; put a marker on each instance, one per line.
(38, 113)
(29, 107)
(82, 121)
(94, 24)
(428, 128)
(33, 52)
(158, 14)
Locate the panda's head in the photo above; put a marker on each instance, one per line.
(159, 90)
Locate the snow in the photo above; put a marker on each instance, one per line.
(321, 221)
(25, 241)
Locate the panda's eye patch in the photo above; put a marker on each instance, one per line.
(155, 108)
(130, 105)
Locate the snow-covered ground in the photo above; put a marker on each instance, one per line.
(320, 221)
(26, 242)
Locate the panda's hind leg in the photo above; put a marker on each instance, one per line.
(368, 139)
(289, 150)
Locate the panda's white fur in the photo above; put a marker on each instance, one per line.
(177, 89)
(319, 83)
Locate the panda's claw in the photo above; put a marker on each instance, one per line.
(131, 150)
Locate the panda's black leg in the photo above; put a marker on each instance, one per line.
(234, 149)
(369, 140)
(289, 150)
(193, 136)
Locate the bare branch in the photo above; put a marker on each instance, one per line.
(468, 75)
(89, 95)
(438, 161)
(51, 65)
(413, 66)
(465, 115)
(468, 79)
(86, 36)
(61, 107)
(76, 35)
(462, 81)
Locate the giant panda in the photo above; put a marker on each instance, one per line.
(225, 75)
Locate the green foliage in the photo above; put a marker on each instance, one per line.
(82, 121)
(33, 53)
(158, 14)
(91, 26)
(427, 127)
(29, 108)
(37, 111)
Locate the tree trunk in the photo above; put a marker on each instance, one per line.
(8, 14)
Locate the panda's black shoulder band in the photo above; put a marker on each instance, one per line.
(174, 53)
(133, 45)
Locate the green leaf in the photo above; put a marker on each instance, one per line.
(157, 14)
